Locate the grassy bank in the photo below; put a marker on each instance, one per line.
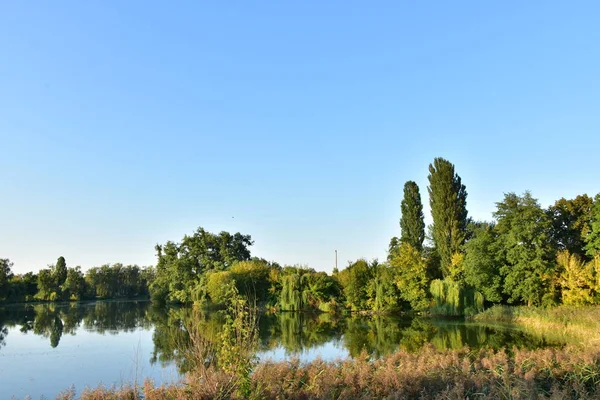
(577, 325)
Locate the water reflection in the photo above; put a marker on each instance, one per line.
(293, 332)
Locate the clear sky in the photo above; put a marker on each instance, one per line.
(129, 123)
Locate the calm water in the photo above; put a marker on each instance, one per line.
(48, 348)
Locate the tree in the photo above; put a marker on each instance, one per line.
(410, 271)
(578, 279)
(220, 286)
(74, 286)
(355, 279)
(412, 225)
(481, 265)
(382, 290)
(59, 274)
(571, 223)
(46, 288)
(448, 201)
(5, 276)
(526, 249)
(182, 267)
(252, 279)
(593, 237)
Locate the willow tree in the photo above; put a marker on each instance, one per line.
(412, 225)
(448, 201)
(291, 298)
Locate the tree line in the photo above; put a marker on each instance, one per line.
(526, 255)
(61, 283)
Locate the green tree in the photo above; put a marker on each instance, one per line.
(593, 237)
(412, 225)
(578, 280)
(292, 286)
(220, 286)
(355, 280)
(252, 279)
(411, 278)
(5, 276)
(448, 201)
(382, 290)
(74, 286)
(571, 223)
(182, 267)
(526, 250)
(59, 273)
(481, 265)
(46, 287)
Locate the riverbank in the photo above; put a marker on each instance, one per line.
(571, 371)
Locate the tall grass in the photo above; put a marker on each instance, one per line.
(565, 323)
(429, 374)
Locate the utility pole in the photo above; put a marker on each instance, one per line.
(336, 259)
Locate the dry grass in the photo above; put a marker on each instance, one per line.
(568, 373)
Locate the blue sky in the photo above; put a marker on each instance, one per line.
(126, 124)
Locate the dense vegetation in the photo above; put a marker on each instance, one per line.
(60, 283)
(526, 256)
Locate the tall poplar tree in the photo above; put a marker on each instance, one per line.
(412, 225)
(448, 201)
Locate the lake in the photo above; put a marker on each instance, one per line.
(47, 348)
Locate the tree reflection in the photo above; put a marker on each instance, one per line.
(294, 332)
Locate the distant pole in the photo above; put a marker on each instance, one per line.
(336, 259)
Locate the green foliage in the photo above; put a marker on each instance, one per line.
(239, 341)
(481, 265)
(116, 280)
(306, 289)
(59, 273)
(383, 294)
(74, 286)
(355, 281)
(412, 225)
(579, 280)
(5, 276)
(182, 266)
(45, 285)
(571, 223)
(593, 237)
(291, 292)
(410, 276)
(220, 286)
(453, 299)
(448, 201)
(252, 278)
(526, 249)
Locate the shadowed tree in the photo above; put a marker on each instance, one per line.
(593, 238)
(481, 266)
(412, 225)
(571, 223)
(59, 274)
(5, 276)
(448, 201)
